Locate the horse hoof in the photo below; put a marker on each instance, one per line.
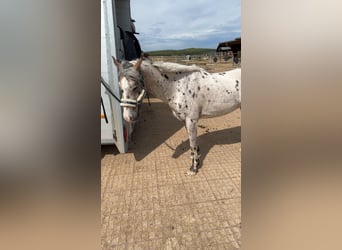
(192, 171)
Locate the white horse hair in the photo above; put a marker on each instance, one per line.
(190, 92)
(168, 67)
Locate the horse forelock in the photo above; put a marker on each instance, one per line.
(127, 70)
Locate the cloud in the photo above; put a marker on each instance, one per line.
(181, 24)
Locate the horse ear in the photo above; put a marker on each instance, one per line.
(138, 64)
(116, 62)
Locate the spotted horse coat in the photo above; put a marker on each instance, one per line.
(191, 93)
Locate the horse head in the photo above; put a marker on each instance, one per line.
(132, 86)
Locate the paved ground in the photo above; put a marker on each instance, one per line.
(148, 201)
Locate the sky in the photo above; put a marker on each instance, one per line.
(180, 24)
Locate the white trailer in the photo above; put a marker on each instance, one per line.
(118, 40)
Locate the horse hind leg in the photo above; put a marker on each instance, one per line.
(191, 127)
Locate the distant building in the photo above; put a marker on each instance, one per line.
(231, 48)
(234, 46)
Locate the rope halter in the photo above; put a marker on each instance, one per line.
(130, 103)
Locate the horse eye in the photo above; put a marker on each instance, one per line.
(135, 89)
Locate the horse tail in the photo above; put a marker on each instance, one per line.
(238, 82)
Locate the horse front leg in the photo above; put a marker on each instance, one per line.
(191, 127)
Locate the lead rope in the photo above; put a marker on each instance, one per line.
(107, 87)
(143, 84)
(148, 99)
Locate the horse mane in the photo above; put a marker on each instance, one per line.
(168, 67)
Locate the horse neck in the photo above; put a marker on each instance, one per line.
(155, 82)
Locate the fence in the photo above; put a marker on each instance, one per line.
(234, 60)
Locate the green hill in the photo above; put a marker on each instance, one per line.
(182, 52)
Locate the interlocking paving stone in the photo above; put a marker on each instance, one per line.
(149, 202)
(224, 189)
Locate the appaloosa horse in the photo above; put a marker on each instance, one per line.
(190, 92)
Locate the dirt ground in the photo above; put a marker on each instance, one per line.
(148, 200)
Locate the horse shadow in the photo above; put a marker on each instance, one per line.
(156, 124)
(208, 140)
(109, 150)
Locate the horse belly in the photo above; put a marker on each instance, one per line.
(218, 109)
(221, 104)
(223, 98)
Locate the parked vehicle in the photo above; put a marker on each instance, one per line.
(118, 40)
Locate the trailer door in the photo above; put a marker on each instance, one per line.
(113, 128)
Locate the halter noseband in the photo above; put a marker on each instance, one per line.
(130, 103)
